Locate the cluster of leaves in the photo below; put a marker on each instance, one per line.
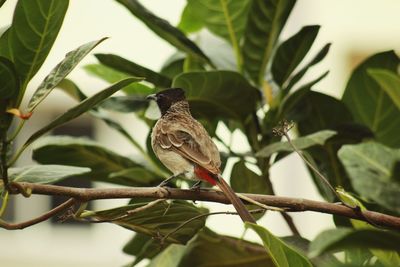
(242, 77)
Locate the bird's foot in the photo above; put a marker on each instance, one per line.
(166, 181)
(196, 186)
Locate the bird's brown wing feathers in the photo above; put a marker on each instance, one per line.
(182, 142)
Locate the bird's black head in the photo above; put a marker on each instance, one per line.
(167, 97)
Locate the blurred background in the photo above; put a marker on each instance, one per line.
(356, 28)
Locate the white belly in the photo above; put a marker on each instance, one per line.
(176, 163)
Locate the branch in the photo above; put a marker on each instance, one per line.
(18, 226)
(289, 204)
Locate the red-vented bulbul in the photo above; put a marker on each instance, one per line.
(185, 148)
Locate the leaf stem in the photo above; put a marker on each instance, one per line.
(232, 36)
(16, 132)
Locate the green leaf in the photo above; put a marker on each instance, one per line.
(190, 20)
(169, 257)
(34, 29)
(224, 18)
(105, 165)
(318, 138)
(281, 254)
(43, 174)
(302, 245)
(368, 101)
(265, 22)
(138, 176)
(8, 79)
(389, 82)
(173, 65)
(164, 30)
(317, 58)
(156, 220)
(125, 103)
(291, 52)
(123, 65)
(112, 76)
(79, 109)
(213, 94)
(71, 89)
(370, 168)
(143, 247)
(341, 238)
(62, 69)
(289, 102)
(246, 181)
(232, 252)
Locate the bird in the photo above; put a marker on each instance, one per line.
(184, 146)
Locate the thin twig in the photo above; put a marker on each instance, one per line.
(41, 218)
(3, 159)
(289, 204)
(283, 130)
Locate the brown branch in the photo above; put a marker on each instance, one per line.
(18, 226)
(290, 204)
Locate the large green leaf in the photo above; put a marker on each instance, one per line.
(157, 220)
(112, 76)
(318, 138)
(43, 174)
(138, 176)
(169, 257)
(369, 103)
(125, 103)
(129, 67)
(213, 94)
(9, 81)
(281, 254)
(164, 30)
(143, 247)
(225, 18)
(303, 246)
(341, 238)
(173, 65)
(34, 29)
(72, 89)
(232, 252)
(245, 180)
(265, 22)
(291, 52)
(106, 165)
(290, 101)
(315, 60)
(371, 168)
(62, 69)
(389, 82)
(81, 108)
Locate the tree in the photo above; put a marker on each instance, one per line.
(351, 145)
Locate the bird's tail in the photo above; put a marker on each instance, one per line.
(235, 200)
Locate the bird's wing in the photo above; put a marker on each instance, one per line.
(185, 144)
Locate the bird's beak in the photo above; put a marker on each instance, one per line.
(151, 97)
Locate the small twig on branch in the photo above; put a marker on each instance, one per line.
(18, 226)
(289, 204)
(282, 130)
